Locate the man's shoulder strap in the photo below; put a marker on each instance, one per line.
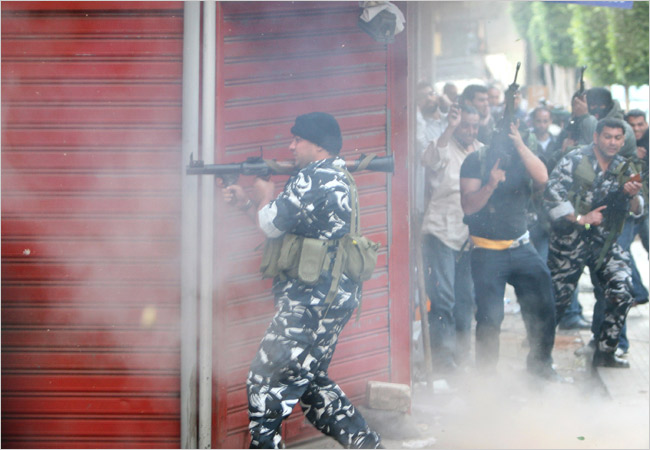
(584, 173)
(354, 201)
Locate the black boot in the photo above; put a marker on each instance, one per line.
(607, 359)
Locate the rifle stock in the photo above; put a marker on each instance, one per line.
(501, 143)
(617, 206)
(572, 128)
(509, 110)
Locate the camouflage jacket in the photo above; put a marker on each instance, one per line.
(315, 203)
(562, 183)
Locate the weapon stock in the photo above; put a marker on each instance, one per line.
(264, 168)
(501, 142)
(581, 83)
(509, 110)
(617, 206)
(572, 128)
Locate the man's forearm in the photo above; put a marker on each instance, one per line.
(445, 137)
(636, 205)
(534, 166)
(473, 202)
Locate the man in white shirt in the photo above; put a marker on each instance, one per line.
(429, 126)
(447, 266)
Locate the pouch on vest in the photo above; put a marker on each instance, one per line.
(290, 254)
(583, 179)
(312, 260)
(270, 257)
(360, 257)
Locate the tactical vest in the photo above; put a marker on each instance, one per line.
(583, 180)
(305, 259)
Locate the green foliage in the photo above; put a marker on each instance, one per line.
(556, 42)
(536, 31)
(546, 25)
(611, 42)
(521, 14)
(627, 42)
(588, 25)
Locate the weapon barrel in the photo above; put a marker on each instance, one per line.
(377, 164)
(215, 169)
(262, 168)
(517, 72)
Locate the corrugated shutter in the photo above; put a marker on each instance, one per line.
(91, 113)
(278, 60)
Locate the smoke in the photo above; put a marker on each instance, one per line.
(90, 231)
(512, 410)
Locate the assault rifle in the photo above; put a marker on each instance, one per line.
(617, 205)
(573, 131)
(264, 168)
(501, 142)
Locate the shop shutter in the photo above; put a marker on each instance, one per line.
(277, 60)
(91, 173)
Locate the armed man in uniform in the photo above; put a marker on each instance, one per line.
(588, 197)
(315, 209)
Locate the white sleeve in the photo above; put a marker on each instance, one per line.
(266, 215)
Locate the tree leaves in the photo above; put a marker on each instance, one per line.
(612, 42)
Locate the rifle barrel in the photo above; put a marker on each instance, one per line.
(517, 72)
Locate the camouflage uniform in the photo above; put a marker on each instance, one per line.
(572, 246)
(293, 359)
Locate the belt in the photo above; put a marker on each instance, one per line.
(521, 241)
(492, 244)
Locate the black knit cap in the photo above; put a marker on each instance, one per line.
(599, 96)
(320, 128)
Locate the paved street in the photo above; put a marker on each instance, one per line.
(605, 409)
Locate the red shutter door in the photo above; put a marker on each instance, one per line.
(91, 113)
(277, 60)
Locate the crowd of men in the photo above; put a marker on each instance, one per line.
(529, 199)
(504, 204)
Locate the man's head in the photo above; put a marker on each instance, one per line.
(636, 119)
(494, 96)
(541, 120)
(609, 137)
(599, 102)
(317, 136)
(467, 130)
(477, 96)
(426, 99)
(451, 91)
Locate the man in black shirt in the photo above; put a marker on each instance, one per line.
(495, 187)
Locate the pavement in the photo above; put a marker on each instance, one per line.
(596, 409)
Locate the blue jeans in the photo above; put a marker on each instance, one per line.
(524, 269)
(449, 287)
(643, 231)
(631, 228)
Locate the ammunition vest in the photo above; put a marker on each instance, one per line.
(583, 180)
(303, 258)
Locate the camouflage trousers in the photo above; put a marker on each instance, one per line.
(567, 258)
(291, 366)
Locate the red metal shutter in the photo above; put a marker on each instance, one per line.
(277, 60)
(91, 170)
